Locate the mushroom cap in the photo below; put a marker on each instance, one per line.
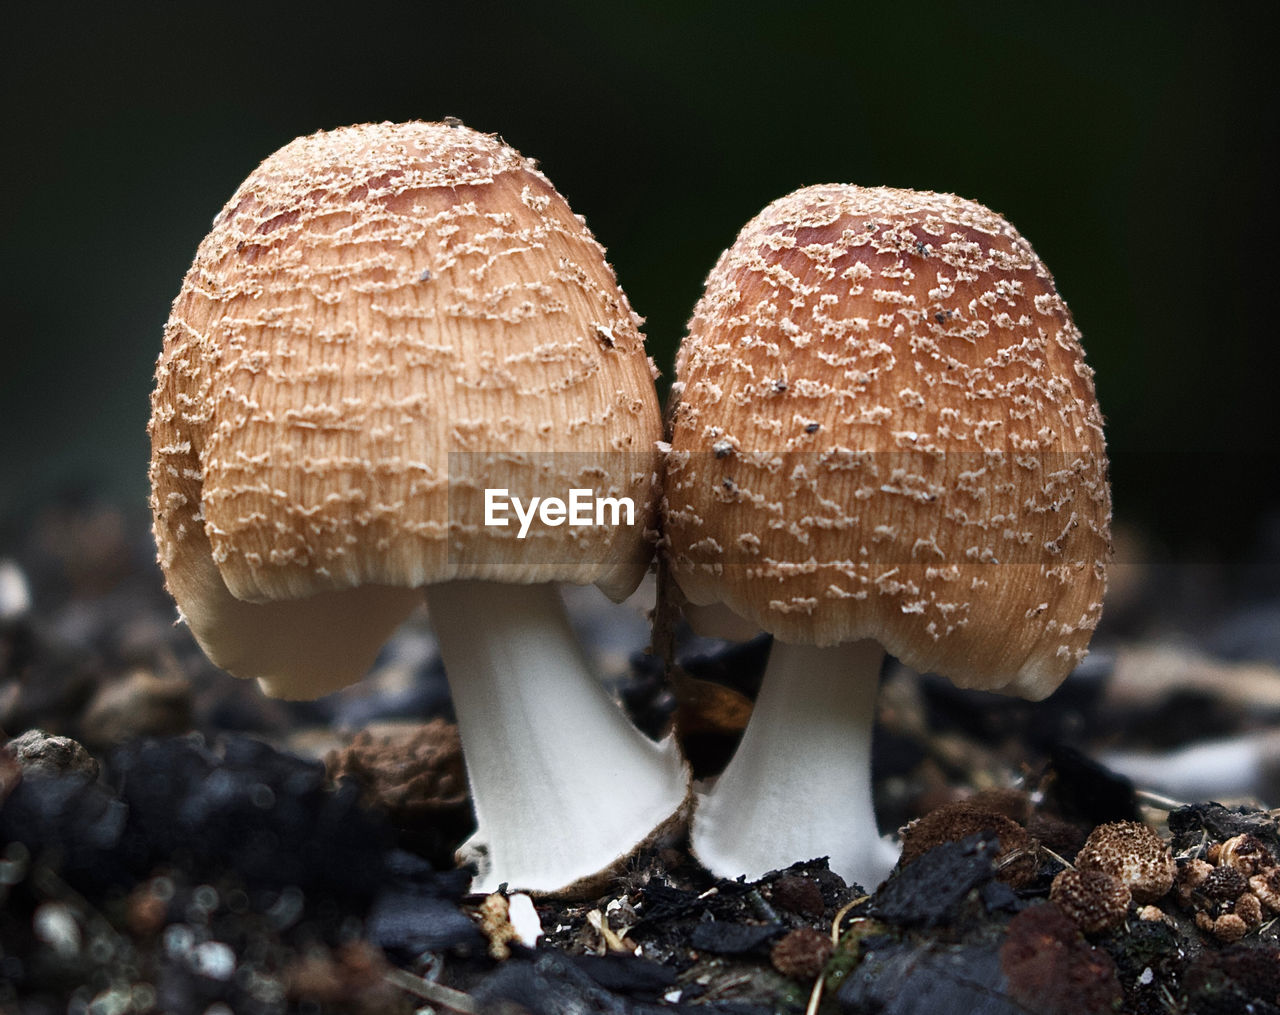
(1225, 884)
(1266, 886)
(885, 428)
(953, 822)
(1246, 853)
(1094, 899)
(384, 321)
(1132, 852)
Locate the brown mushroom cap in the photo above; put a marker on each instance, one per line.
(1132, 852)
(886, 429)
(1094, 899)
(383, 316)
(952, 822)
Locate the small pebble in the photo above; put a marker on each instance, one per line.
(141, 705)
(38, 751)
(15, 595)
(214, 960)
(55, 924)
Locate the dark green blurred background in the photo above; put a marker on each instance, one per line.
(1126, 141)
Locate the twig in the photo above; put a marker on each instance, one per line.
(1012, 857)
(436, 993)
(1164, 803)
(729, 984)
(613, 941)
(1197, 851)
(1065, 863)
(815, 996)
(844, 911)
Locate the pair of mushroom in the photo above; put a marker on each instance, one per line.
(885, 438)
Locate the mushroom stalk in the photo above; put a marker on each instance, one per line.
(564, 786)
(799, 785)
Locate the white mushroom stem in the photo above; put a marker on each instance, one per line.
(564, 786)
(799, 785)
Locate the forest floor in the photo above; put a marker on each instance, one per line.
(172, 841)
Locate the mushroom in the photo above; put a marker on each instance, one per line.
(387, 323)
(1016, 860)
(1095, 900)
(1266, 886)
(1135, 854)
(884, 437)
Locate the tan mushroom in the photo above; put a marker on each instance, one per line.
(385, 322)
(1134, 853)
(886, 438)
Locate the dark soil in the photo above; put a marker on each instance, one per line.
(171, 841)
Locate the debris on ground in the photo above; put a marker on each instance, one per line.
(171, 841)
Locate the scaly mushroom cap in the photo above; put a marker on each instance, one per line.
(1094, 899)
(1132, 852)
(384, 320)
(886, 429)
